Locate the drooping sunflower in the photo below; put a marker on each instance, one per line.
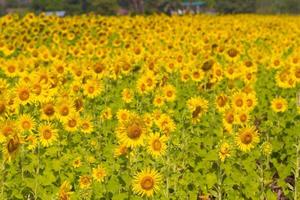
(11, 147)
(99, 173)
(279, 104)
(65, 191)
(132, 131)
(198, 106)
(222, 102)
(47, 134)
(147, 182)
(247, 138)
(156, 144)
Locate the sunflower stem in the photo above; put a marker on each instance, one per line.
(129, 173)
(297, 169)
(220, 181)
(2, 180)
(37, 172)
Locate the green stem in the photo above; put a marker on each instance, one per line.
(297, 170)
(37, 173)
(220, 181)
(129, 173)
(3, 176)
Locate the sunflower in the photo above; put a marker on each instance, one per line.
(246, 138)
(165, 124)
(222, 102)
(8, 128)
(132, 131)
(120, 150)
(198, 107)
(64, 109)
(197, 75)
(26, 122)
(86, 125)
(11, 147)
(31, 141)
(238, 100)
(123, 114)
(157, 144)
(64, 192)
(279, 104)
(169, 92)
(224, 151)
(48, 111)
(250, 101)
(127, 95)
(77, 162)
(48, 134)
(72, 122)
(99, 173)
(158, 101)
(266, 148)
(23, 93)
(92, 88)
(85, 181)
(147, 182)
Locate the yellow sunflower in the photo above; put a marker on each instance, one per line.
(198, 106)
(120, 150)
(127, 95)
(99, 173)
(65, 191)
(147, 182)
(157, 144)
(169, 92)
(246, 138)
(11, 147)
(279, 104)
(48, 134)
(26, 122)
(92, 88)
(132, 131)
(224, 151)
(85, 181)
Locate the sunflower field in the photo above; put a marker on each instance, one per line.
(149, 107)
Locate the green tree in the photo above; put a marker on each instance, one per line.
(236, 6)
(104, 7)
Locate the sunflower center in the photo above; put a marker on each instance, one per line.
(169, 93)
(243, 118)
(64, 111)
(279, 105)
(232, 53)
(239, 102)
(24, 95)
(249, 102)
(49, 110)
(2, 108)
(196, 74)
(12, 145)
(246, 138)
(134, 131)
(26, 125)
(85, 126)
(230, 118)
(11, 69)
(297, 73)
(218, 72)
(156, 144)
(7, 131)
(47, 134)
(72, 123)
(221, 101)
(147, 183)
(91, 89)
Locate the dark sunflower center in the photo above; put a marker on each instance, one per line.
(49, 110)
(246, 138)
(279, 105)
(26, 125)
(24, 95)
(249, 102)
(147, 183)
(134, 131)
(12, 145)
(64, 111)
(156, 144)
(2, 108)
(232, 53)
(222, 101)
(239, 102)
(47, 134)
(230, 118)
(72, 123)
(91, 89)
